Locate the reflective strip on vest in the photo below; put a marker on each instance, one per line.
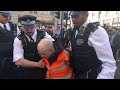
(68, 76)
(48, 67)
(61, 70)
(64, 65)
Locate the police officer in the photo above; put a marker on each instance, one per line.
(7, 34)
(25, 53)
(92, 57)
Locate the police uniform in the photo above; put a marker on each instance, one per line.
(7, 34)
(92, 57)
(25, 48)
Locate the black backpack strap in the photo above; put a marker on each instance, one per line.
(91, 27)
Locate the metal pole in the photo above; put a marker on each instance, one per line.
(99, 16)
(66, 19)
(118, 19)
(61, 18)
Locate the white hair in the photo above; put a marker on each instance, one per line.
(45, 44)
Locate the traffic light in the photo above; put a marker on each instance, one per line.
(66, 17)
(57, 14)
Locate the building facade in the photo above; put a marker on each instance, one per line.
(108, 18)
(45, 17)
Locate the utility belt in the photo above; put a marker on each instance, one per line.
(89, 74)
(31, 73)
(9, 59)
(6, 58)
(7, 63)
(30, 69)
(3, 60)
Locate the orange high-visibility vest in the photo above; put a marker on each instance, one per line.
(60, 69)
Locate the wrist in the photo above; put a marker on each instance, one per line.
(36, 64)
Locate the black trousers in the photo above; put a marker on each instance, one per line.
(32, 73)
(90, 74)
(8, 69)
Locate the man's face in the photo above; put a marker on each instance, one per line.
(114, 30)
(79, 20)
(29, 32)
(3, 19)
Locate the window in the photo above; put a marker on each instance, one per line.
(51, 12)
(35, 12)
(106, 13)
(31, 11)
(115, 20)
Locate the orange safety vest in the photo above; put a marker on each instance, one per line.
(60, 69)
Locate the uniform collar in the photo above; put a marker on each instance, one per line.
(85, 24)
(2, 25)
(82, 28)
(33, 36)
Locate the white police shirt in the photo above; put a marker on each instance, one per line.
(99, 40)
(18, 51)
(9, 28)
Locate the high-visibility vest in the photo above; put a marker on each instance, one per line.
(60, 69)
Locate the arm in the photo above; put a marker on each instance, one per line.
(100, 41)
(48, 36)
(27, 63)
(18, 57)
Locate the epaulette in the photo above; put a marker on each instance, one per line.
(92, 26)
(40, 35)
(19, 35)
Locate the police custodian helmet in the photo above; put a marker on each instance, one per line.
(77, 13)
(6, 13)
(28, 21)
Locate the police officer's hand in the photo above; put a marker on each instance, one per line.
(41, 64)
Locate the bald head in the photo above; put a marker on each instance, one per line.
(45, 45)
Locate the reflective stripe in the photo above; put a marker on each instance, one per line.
(68, 76)
(88, 73)
(48, 67)
(63, 66)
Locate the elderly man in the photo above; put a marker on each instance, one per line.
(26, 55)
(56, 59)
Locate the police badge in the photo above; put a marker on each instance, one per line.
(79, 41)
(81, 30)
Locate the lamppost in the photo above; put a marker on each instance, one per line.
(118, 20)
(66, 18)
(99, 16)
